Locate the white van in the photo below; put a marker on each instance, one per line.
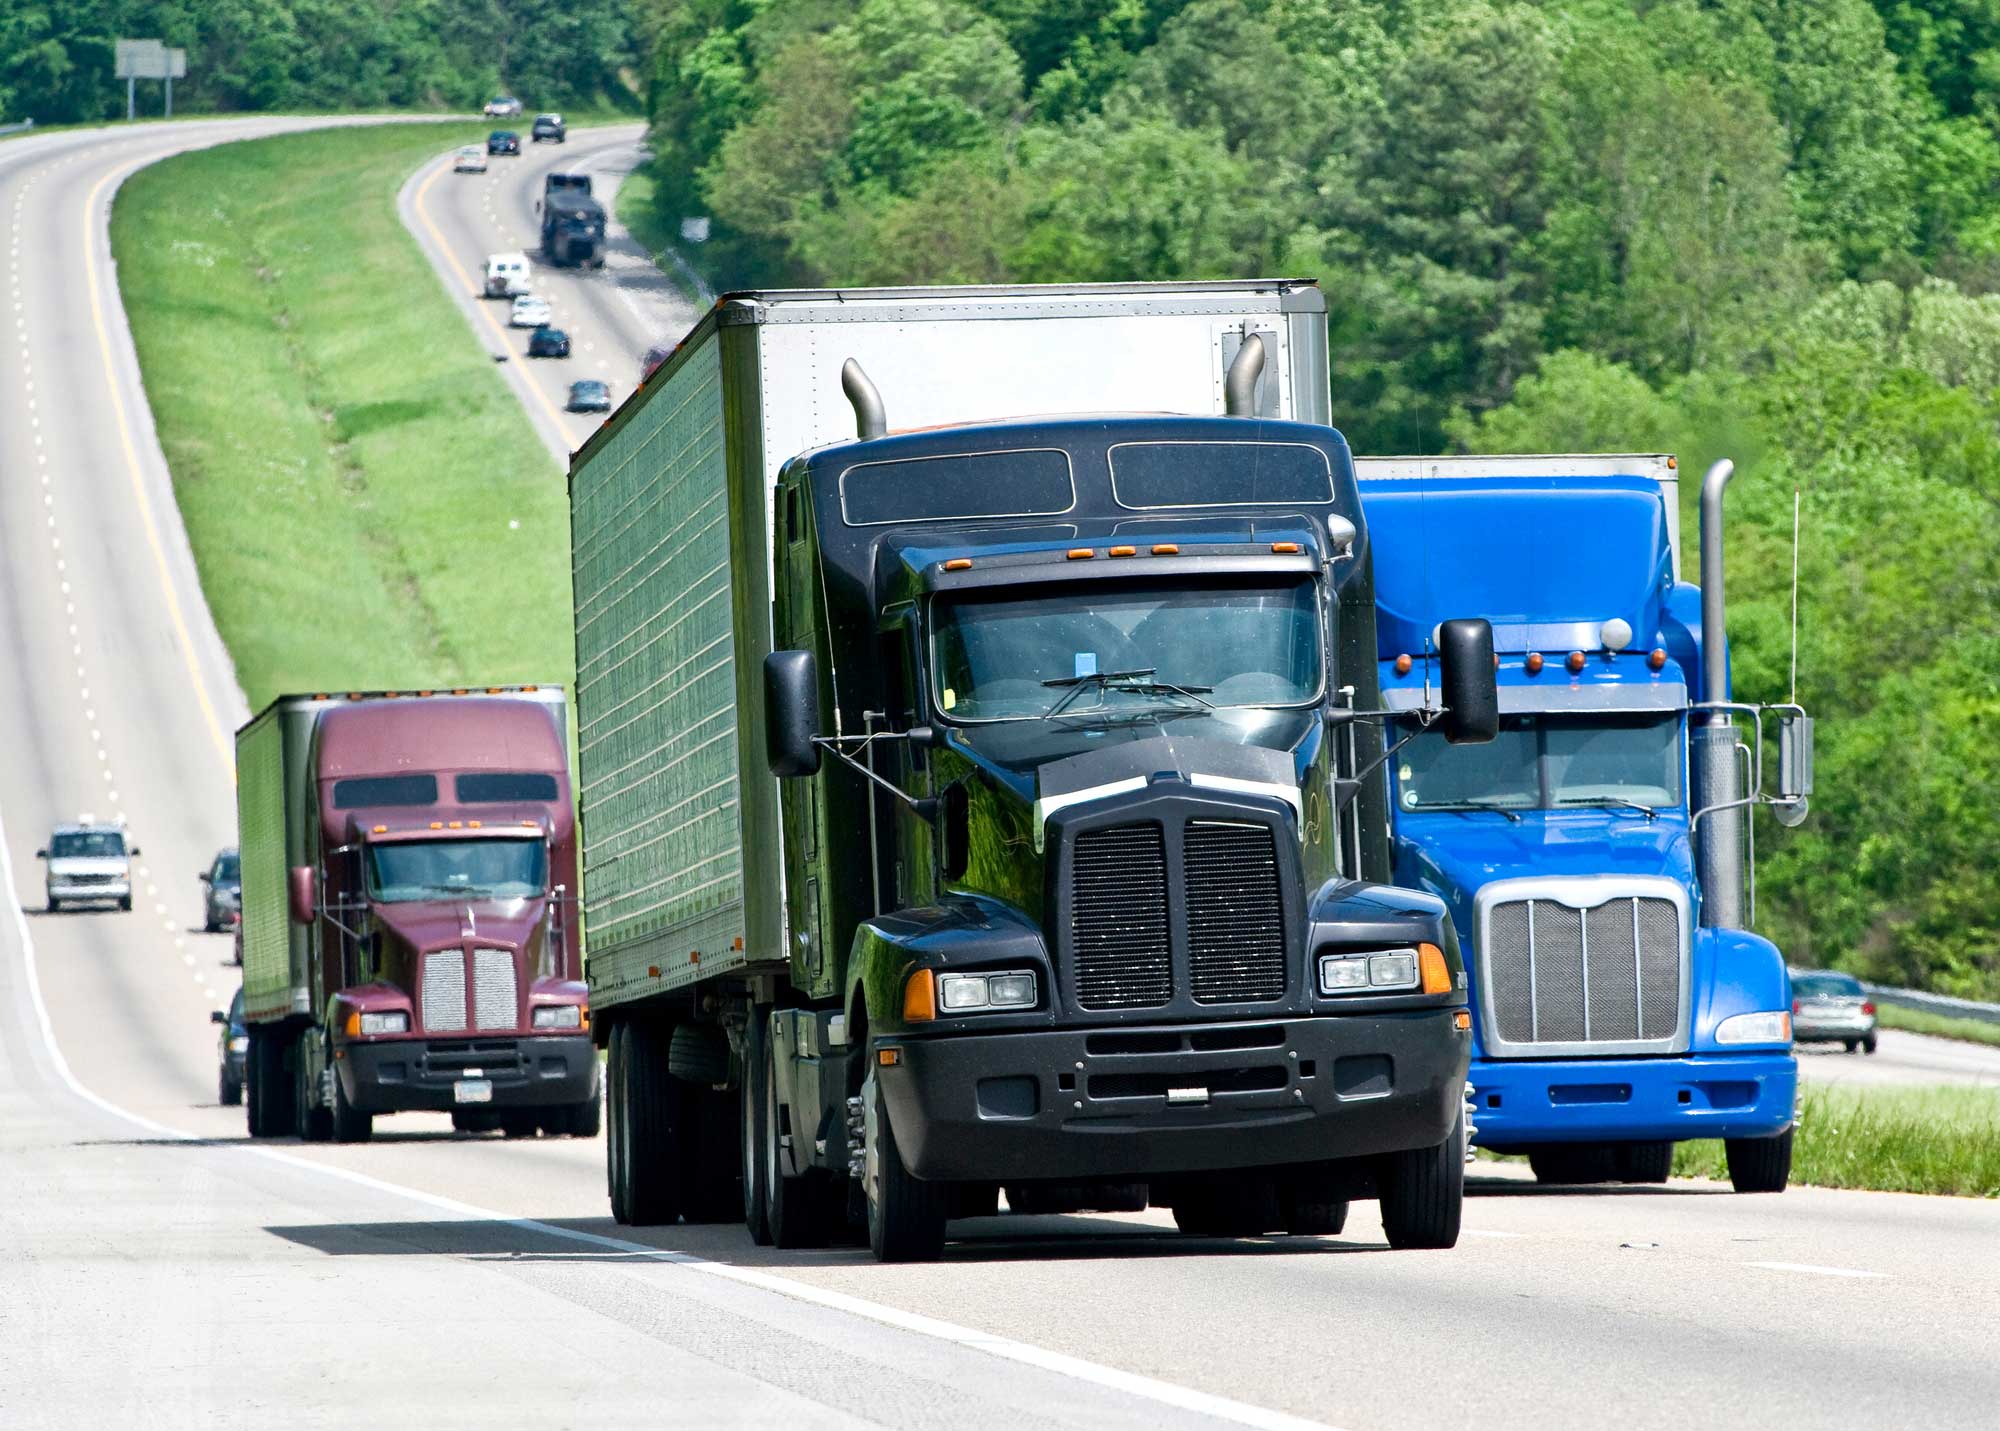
(507, 275)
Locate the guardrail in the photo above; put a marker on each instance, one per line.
(17, 128)
(1935, 1003)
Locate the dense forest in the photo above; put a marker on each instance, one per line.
(56, 55)
(1765, 228)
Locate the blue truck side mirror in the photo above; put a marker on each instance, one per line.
(1471, 692)
(791, 713)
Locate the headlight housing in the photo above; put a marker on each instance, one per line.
(391, 1022)
(974, 993)
(559, 1016)
(1772, 1026)
(1385, 971)
(240, 1044)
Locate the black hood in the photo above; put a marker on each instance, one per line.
(1165, 755)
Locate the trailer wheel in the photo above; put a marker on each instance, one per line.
(349, 1124)
(906, 1215)
(799, 1211)
(614, 1138)
(1759, 1165)
(656, 1141)
(1643, 1162)
(1422, 1193)
(750, 1127)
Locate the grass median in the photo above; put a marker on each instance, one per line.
(367, 503)
(1894, 1016)
(1919, 1140)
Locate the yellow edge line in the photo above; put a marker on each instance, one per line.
(145, 507)
(479, 299)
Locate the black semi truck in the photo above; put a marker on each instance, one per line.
(572, 222)
(986, 806)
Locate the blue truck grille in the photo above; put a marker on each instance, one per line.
(1609, 974)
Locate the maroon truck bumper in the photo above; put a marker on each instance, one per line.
(403, 1075)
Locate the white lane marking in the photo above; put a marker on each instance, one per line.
(1814, 1269)
(1181, 1398)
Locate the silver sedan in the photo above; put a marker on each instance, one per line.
(1832, 1008)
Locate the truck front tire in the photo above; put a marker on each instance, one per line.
(1759, 1165)
(654, 1139)
(800, 1212)
(751, 1116)
(349, 1124)
(1422, 1193)
(906, 1215)
(1643, 1162)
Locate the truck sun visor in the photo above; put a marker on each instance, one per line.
(365, 793)
(1219, 474)
(1029, 483)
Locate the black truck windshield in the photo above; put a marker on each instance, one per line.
(1547, 762)
(457, 869)
(1089, 651)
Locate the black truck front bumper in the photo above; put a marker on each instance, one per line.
(407, 1075)
(1133, 1102)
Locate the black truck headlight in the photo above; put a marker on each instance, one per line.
(1352, 973)
(963, 993)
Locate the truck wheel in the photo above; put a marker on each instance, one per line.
(1642, 1162)
(1572, 1164)
(312, 1123)
(254, 1086)
(579, 1120)
(1422, 1193)
(228, 1091)
(1307, 1204)
(519, 1122)
(714, 1188)
(751, 1113)
(1244, 1205)
(699, 1054)
(656, 1142)
(799, 1211)
(350, 1124)
(1759, 1165)
(614, 1136)
(906, 1215)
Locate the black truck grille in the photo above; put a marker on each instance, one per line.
(1120, 929)
(1235, 913)
(1118, 918)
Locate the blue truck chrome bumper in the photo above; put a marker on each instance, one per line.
(1521, 1103)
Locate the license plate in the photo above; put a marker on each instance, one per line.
(472, 1090)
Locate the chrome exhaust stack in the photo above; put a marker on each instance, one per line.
(1719, 841)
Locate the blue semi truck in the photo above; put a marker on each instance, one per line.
(1593, 856)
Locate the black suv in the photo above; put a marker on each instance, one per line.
(551, 128)
(503, 141)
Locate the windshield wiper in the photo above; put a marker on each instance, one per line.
(1466, 807)
(1610, 801)
(1134, 681)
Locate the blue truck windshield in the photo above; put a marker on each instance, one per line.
(1547, 762)
(457, 869)
(1085, 650)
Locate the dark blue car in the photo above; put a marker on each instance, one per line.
(231, 1048)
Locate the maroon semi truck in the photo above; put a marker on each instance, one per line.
(409, 930)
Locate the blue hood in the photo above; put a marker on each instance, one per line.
(1454, 854)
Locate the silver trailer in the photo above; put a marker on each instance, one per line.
(671, 511)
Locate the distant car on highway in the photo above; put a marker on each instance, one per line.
(232, 1045)
(549, 127)
(88, 863)
(547, 342)
(529, 312)
(502, 106)
(507, 275)
(1832, 1008)
(589, 395)
(470, 160)
(222, 891)
(652, 358)
(503, 141)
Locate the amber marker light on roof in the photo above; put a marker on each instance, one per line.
(1124, 551)
(1657, 659)
(381, 829)
(1534, 663)
(1286, 548)
(959, 564)
(1574, 662)
(1403, 664)
(1082, 553)
(1165, 549)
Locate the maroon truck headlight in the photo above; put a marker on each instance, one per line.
(559, 1016)
(390, 1021)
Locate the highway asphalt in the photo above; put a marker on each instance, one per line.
(156, 1269)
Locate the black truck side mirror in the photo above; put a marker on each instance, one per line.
(791, 713)
(216, 1016)
(1795, 768)
(1471, 692)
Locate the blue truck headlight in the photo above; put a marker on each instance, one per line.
(1391, 971)
(395, 1021)
(1774, 1027)
(240, 1044)
(559, 1016)
(962, 993)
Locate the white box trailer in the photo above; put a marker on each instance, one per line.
(670, 519)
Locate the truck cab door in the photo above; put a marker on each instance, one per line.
(800, 804)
